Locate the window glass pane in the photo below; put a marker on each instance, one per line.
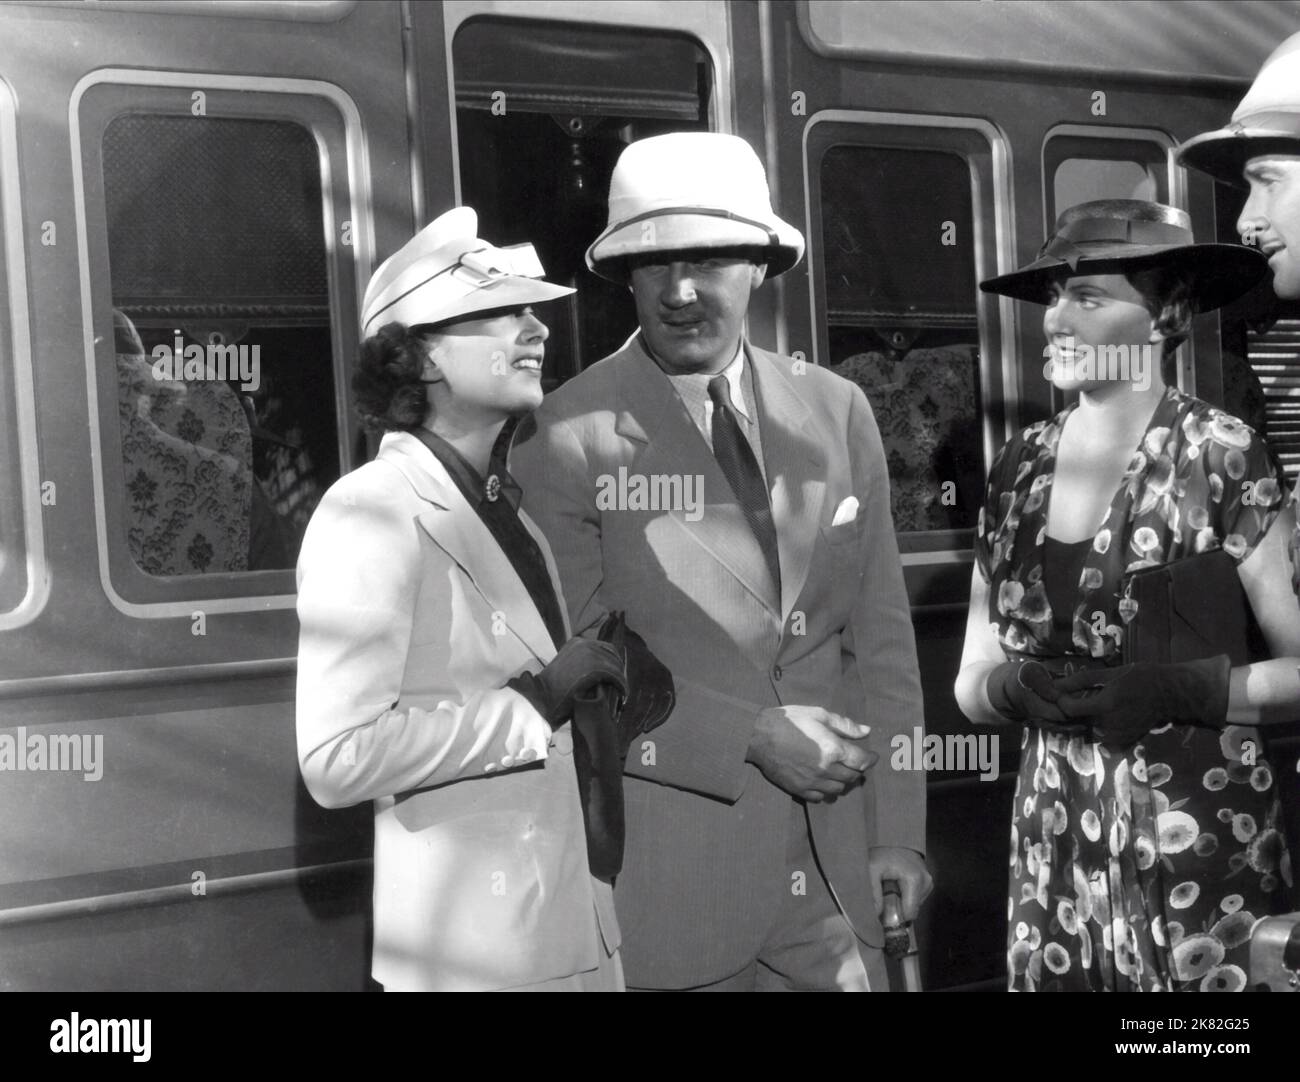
(897, 233)
(1080, 167)
(1080, 179)
(221, 320)
(542, 113)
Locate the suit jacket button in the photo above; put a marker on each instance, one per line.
(562, 742)
(776, 672)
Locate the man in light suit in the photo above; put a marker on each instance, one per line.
(1260, 150)
(736, 504)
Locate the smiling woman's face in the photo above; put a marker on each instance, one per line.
(488, 368)
(691, 307)
(1099, 331)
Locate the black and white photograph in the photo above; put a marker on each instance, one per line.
(589, 496)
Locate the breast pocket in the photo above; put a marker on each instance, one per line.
(845, 534)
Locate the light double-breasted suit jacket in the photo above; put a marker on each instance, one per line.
(704, 872)
(412, 620)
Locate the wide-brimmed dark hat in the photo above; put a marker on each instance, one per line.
(1113, 236)
(1266, 122)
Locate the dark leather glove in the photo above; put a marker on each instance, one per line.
(1023, 691)
(651, 695)
(1125, 703)
(579, 667)
(604, 726)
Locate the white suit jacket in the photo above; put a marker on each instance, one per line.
(412, 620)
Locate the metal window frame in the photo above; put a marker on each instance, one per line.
(937, 546)
(245, 591)
(37, 592)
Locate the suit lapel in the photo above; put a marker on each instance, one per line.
(657, 417)
(795, 465)
(455, 527)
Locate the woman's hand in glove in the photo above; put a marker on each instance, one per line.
(650, 695)
(1125, 703)
(1023, 691)
(579, 666)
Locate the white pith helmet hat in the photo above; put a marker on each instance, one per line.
(687, 191)
(1266, 122)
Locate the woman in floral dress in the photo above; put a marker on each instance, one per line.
(1145, 835)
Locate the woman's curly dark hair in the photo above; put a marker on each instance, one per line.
(1167, 293)
(386, 383)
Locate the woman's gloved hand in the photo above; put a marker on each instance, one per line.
(1125, 703)
(1023, 691)
(579, 666)
(650, 695)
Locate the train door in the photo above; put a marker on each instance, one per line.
(190, 208)
(524, 110)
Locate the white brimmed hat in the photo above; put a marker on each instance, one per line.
(691, 190)
(445, 272)
(1266, 122)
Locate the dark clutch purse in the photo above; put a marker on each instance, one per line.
(1187, 610)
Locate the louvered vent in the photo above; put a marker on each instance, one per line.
(1275, 357)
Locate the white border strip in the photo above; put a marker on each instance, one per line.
(939, 556)
(100, 905)
(298, 11)
(29, 470)
(358, 166)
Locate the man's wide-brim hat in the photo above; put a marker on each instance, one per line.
(446, 273)
(691, 191)
(1266, 122)
(1114, 236)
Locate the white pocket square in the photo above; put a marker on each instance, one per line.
(846, 512)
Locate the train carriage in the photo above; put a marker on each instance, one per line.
(192, 197)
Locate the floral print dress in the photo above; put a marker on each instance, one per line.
(1144, 869)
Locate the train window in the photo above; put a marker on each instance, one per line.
(1079, 167)
(216, 231)
(21, 572)
(542, 112)
(221, 330)
(1078, 179)
(898, 235)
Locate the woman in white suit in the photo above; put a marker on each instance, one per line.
(422, 592)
